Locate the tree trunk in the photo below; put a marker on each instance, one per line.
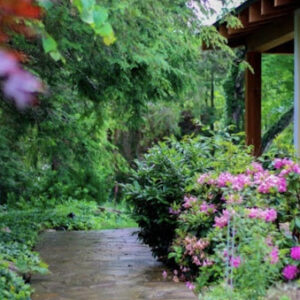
(277, 128)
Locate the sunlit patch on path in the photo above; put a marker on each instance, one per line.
(102, 265)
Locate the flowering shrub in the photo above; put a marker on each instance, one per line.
(166, 173)
(234, 229)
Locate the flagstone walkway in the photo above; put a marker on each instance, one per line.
(102, 265)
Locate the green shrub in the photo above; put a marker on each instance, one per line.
(166, 173)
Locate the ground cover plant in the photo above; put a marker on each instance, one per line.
(19, 230)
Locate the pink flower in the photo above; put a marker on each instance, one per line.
(235, 261)
(240, 181)
(224, 179)
(188, 201)
(254, 213)
(222, 221)
(290, 272)
(278, 163)
(234, 199)
(288, 166)
(173, 211)
(21, 86)
(196, 261)
(190, 285)
(269, 241)
(274, 255)
(271, 181)
(255, 167)
(207, 263)
(164, 274)
(270, 215)
(203, 178)
(8, 63)
(295, 253)
(207, 208)
(18, 85)
(175, 279)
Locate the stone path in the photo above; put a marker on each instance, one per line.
(102, 265)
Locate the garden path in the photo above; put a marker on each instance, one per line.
(102, 265)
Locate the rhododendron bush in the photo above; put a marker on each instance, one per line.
(166, 173)
(237, 227)
(222, 216)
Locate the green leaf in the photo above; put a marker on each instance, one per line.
(49, 44)
(46, 4)
(100, 16)
(56, 56)
(297, 222)
(86, 9)
(105, 30)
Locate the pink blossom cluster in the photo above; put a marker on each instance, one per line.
(18, 84)
(204, 178)
(233, 199)
(235, 261)
(255, 175)
(290, 272)
(287, 165)
(207, 208)
(174, 211)
(195, 249)
(269, 215)
(267, 181)
(189, 201)
(190, 285)
(295, 253)
(255, 167)
(222, 221)
(274, 255)
(194, 246)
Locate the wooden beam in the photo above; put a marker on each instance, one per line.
(268, 8)
(283, 2)
(223, 31)
(247, 27)
(287, 48)
(253, 102)
(272, 35)
(256, 13)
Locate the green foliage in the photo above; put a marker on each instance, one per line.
(277, 87)
(166, 173)
(64, 144)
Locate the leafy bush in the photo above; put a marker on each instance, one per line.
(229, 227)
(233, 229)
(166, 173)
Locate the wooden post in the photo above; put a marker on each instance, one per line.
(253, 102)
(297, 83)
